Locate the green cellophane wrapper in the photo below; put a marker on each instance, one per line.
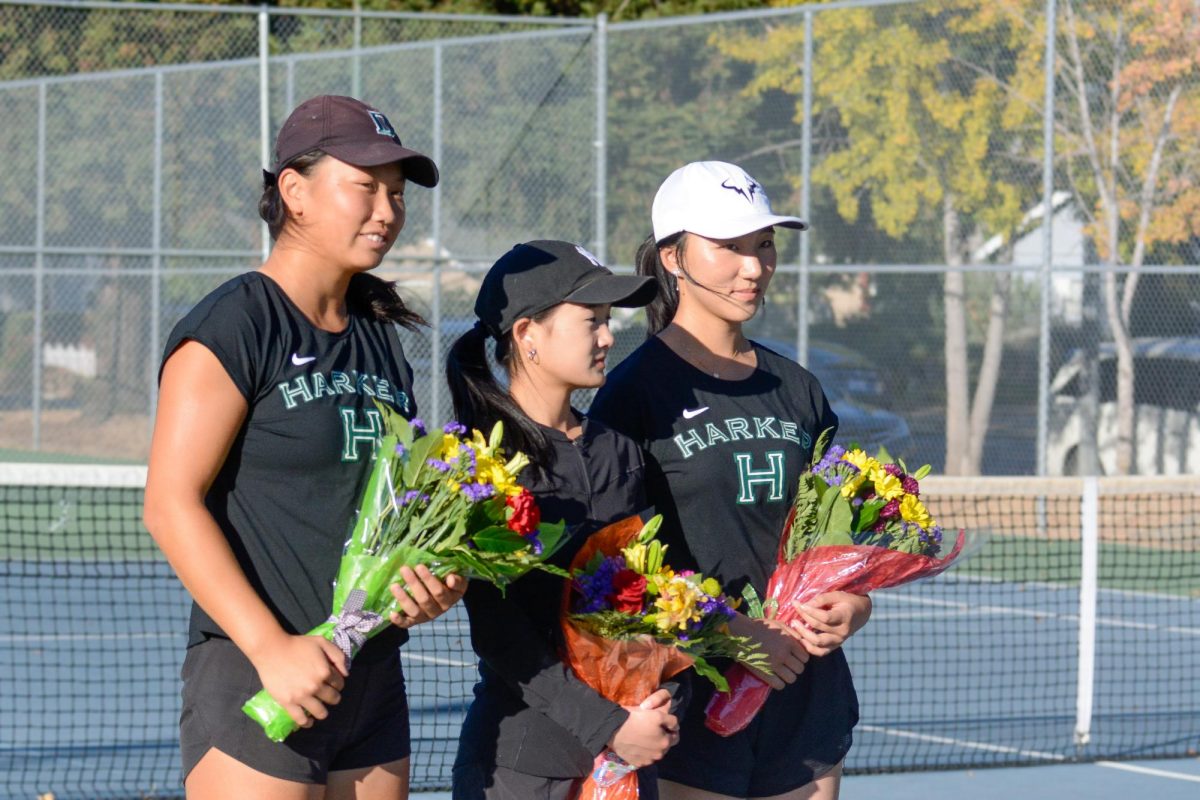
(369, 577)
(446, 532)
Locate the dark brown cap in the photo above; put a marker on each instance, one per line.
(350, 131)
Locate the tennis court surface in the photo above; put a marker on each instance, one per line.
(1069, 638)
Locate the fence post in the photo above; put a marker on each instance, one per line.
(805, 192)
(600, 235)
(356, 60)
(1043, 411)
(156, 247)
(435, 354)
(264, 108)
(39, 268)
(1089, 574)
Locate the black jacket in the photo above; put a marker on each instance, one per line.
(531, 713)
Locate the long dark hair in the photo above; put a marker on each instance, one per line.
(480, 401)
(366, 294)
(662, 309)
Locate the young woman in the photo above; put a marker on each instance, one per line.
(534, 728)
(728, 426)
(264, 433)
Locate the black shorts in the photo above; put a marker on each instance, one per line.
(801, 733)
(367, 728)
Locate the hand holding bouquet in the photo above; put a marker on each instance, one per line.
(630, 623)
(440, 499)
(857, 525)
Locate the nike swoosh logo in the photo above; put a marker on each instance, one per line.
(300, 362)
(688, 414)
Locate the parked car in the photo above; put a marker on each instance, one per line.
(1166, 408)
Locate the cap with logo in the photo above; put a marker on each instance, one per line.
(714, 199)
(535, 276)
(350, 131)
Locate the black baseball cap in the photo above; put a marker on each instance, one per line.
(350, 131)
(538, 275)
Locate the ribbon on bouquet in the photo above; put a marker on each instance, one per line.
(352, 624)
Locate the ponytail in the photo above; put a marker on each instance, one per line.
(662, 308)
(480, 401)
(366, 294)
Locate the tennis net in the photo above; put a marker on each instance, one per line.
(1071, 634)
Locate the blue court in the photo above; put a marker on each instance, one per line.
(957, 672)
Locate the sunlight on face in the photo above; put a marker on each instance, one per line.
(729, 277)
(572, 345)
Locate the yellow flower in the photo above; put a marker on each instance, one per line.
(450, 444)
(913, 510)
(887, 486)
(851, 485)
(864, 462)
(677, 604)
(489, 470)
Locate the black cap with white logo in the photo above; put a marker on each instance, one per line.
(535, 276)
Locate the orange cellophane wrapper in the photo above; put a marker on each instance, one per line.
(625, 672)
(857, 569)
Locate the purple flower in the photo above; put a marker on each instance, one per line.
(891, 510)
(400, 449)
(456, 428)
(466, 459)
(910, 485)
(893, 470)
(413, 496)
(478, 491)
(931, 538)
(418, 425)
(440, 466)
(594, 588)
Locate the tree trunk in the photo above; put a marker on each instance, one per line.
(989, 370)
(958, 431)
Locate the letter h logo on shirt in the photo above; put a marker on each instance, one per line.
(749, 477)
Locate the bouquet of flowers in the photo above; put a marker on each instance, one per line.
(857, 525)
(439, 498)
(630, 623)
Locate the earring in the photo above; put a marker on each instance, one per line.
(533, 355)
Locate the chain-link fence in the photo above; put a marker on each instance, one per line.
(943, 308)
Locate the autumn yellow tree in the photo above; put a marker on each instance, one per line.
(936, 110)
(1128, 135)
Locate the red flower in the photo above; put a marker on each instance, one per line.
(629, 592)
(525, 516)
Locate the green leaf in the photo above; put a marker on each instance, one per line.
(417, 456)
(922, 472)
(499, 540)
(754, 606)
(823, 442)
(838, 537)
(841, 515)
(704, 669)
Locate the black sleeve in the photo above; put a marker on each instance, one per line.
(505, 639)
(225, 323)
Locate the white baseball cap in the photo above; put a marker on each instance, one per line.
(714, 199)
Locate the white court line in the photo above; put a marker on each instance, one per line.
(1158, 773)
(964, 743)
(959, 608)
(966, 578)
(445, 662)
(85, 637)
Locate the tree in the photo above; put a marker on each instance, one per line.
(1127, 124)
(923, 124)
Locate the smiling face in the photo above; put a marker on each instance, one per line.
(729, 277)
(350, 215)
(572, 345)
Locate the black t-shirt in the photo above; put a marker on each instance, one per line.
(724, 457)
(287, 493)
(531, 713)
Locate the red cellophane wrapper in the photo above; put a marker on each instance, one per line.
(858, 569)
(625, 672)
